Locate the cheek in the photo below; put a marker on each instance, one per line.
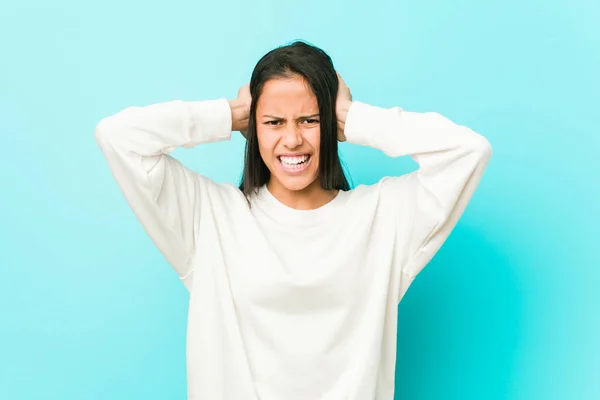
(314, 139)
(266, 144)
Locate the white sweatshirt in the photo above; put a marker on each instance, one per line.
(292, 304)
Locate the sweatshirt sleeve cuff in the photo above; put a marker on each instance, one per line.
(362, 124)
(211, 120)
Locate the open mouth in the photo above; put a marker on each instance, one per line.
(294, 163)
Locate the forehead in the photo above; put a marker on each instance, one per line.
(287, 95)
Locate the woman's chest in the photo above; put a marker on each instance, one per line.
(300, 268)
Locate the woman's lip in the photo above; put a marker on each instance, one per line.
(295, 171)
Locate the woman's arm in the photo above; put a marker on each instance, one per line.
(428, 202)
(163, 193)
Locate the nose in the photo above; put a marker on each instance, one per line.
(292, 137)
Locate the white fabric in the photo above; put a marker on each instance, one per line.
(292, 304)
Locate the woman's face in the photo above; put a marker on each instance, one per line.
(287, 125)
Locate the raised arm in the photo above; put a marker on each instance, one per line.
(163, 193)
(428, 202)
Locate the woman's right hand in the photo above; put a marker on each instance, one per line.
(240, 110)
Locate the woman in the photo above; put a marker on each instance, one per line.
(294, 279)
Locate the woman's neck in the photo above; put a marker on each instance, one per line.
(311, 197)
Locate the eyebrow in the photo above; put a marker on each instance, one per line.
(301, 117)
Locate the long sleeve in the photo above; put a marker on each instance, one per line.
(428, 202)
(163, 193)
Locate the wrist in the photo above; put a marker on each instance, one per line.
(341, 110)
(240, 113)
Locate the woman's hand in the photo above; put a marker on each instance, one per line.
(240, 110)
(342, 104)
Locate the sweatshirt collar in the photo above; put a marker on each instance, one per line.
(285, 214)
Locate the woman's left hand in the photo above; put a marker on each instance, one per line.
(342, 104)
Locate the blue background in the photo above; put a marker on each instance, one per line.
(507, 309)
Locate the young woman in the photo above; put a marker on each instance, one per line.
(294, 278)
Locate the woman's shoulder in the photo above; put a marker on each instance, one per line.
(224, 193)
(390, 194)
(385, 184)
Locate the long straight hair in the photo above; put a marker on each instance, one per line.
(315, 66)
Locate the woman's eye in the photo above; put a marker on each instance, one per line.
(272, 122)
(311, 121)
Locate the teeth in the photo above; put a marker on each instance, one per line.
(293, 160)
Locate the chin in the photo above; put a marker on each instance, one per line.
(296, 184)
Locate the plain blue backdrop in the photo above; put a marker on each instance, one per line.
(507, 309)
